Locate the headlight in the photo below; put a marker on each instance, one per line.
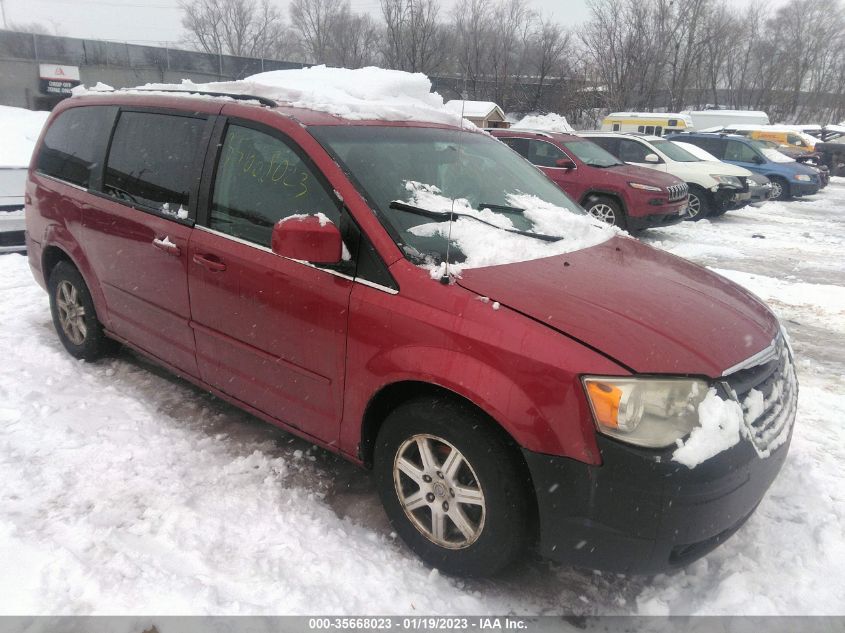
(727, 180)
(803, 177)
(652, 412)
(638, 185)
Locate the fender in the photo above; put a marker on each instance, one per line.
(605, 192)
(529, 423)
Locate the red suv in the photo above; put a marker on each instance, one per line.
(631, 197)
(421, 300)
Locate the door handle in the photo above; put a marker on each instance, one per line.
(210, 262)
(164, 244)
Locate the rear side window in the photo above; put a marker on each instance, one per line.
(632, 151)
(739, 152)
(544, 154)
(712, 145)
(519, 145)
(75, 143)
(260, 180)
(152, 161)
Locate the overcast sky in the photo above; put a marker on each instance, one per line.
(152, 21)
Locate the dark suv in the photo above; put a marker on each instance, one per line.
(628, 196)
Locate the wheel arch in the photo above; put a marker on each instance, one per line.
(392, 395)
(58, 246)
(604, 193)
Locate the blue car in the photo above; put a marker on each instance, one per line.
(789, 178)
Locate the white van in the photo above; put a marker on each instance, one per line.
(702, 119)
(651, 123)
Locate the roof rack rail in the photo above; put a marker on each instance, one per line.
(521, 130)
(237, 96)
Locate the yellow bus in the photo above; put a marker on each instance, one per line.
(651, 123)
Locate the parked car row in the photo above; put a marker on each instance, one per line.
(571, 388)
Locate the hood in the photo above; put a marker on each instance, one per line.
(644, 175)
(645, 308)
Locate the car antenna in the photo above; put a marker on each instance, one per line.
(444, 279)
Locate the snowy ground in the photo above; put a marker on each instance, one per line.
(125, 490)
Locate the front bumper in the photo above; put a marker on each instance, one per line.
(655, 220)
(641, 512)
(798, 188)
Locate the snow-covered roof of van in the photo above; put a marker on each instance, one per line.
(360, 94)
(742, 113)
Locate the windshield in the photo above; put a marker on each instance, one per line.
(674, 152)
(591, 154)
(405, 172)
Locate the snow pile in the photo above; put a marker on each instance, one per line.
(485, 245)
(19, 131)
(547, 122)
(721, 424)
(363, 93)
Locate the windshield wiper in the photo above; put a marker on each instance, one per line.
(501, 208)
(438, 216)
(603, 166)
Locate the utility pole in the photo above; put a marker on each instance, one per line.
(3, 11)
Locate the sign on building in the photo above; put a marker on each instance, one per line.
(57, 79)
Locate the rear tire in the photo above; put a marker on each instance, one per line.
(452, 487)
(700, 206)
(607, 210)
(74, 317)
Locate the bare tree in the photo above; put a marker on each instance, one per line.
(247, 28)
(415, 40)
(354, 39)
(550, 43)
(313, 19)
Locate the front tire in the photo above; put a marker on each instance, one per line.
(607, 210)
(699, 204)
(780, 189)
(74, 316)
(452, 487)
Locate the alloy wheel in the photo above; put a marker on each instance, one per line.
(71, 312)
(603, 212)
(439, 491)
(693, 206)
(777, 190)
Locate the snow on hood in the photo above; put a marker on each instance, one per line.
(364, 93)
(546, 122)
(485, 245)
(775, 156)
(19, 129)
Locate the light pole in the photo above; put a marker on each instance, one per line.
(3, 11)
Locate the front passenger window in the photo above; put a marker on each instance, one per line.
(632, 151)
(261, 180)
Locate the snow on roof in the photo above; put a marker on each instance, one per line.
(19, 130)
(545, 122)
(474, 109)
(360, 94)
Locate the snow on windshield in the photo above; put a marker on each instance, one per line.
(775, 156)
(362, 93)
(484, 245)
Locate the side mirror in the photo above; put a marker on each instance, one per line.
(652, 158)
(565, 163)
(758, 160)
(310, 238)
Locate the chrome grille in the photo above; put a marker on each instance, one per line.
(677, 192)
(768, 393)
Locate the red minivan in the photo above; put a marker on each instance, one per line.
(421, 300)
(630, 197)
